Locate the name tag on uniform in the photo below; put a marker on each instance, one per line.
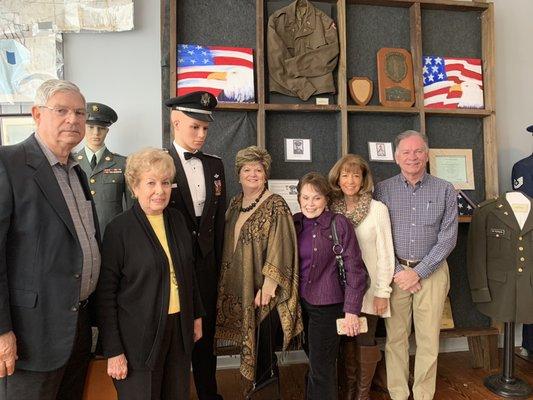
(113, 171)
(497, 231)
(174, 186)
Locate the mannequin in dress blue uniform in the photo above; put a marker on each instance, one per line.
(199, 192)
(522, 177)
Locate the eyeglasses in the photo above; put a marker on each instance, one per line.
(63, 111)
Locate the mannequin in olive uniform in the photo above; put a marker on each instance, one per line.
(522, 177)
(104, 169)
(500, 250)
(200, 194)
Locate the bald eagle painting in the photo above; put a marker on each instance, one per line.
(225, 72)
(452, 82)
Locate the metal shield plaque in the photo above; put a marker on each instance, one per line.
(395, 77)
(360, 89)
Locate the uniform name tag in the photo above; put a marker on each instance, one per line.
(113, 171)
(498, 231)
(174, 186)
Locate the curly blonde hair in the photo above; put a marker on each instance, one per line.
(145, 160)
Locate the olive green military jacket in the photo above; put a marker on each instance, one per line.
(108, 187)
(303, 49)
(500, 262)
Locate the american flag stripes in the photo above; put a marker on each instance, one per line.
(452, 82)
(225, 72)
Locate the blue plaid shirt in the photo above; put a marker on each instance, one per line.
(424, 220)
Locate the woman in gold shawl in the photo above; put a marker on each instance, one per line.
(259, 275)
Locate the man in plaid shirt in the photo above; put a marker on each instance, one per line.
(423, 213)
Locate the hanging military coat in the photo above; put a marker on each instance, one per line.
(303, 49)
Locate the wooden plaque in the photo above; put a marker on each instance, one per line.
(395, 77)
(360, 89)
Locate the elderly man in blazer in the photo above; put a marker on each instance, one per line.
(49, 254)
(199, 193)
(104, 169)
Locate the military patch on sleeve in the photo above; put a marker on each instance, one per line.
(518, 182)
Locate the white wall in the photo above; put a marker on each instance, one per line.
(122, 70)
(514, 86)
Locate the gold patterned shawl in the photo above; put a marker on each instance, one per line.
(267, 247)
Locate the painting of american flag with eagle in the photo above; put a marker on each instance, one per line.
(225, 72)
(452, 82)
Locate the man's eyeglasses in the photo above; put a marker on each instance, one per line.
(63, 111)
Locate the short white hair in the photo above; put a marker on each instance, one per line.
(409, 133)
(51, 87)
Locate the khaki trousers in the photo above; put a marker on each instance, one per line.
(425, 309)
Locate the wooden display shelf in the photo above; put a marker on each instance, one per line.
(238, 106)
(302, 107)
(482, 345)
(383, 110)
(465, 219)
(458, 112)
(427, 4)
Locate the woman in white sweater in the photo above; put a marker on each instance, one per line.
(351, 181)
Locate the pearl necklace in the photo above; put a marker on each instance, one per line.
(254, 203)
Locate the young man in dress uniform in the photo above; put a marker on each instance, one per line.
(104, 169)
(199, 193)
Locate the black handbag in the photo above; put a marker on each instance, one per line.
(268, 389)
(338, 250)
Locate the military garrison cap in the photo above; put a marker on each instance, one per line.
(197, 105)
(100, 114)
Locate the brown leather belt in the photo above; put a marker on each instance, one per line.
(407, 263)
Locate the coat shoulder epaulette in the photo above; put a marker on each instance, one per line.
(487, 202)
(213, 156)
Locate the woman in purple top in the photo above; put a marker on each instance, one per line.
(322, 297)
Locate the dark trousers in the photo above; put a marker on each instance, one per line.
(170, 378)
(527, 337)
(65, 383)
(267, 360)
(204, 360)
(321, 344)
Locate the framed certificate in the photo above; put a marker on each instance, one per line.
(15, 129)
(453, 165)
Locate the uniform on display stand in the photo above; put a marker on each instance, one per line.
(500, 249)
(522, 177)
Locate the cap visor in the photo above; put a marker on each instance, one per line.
(198, 116)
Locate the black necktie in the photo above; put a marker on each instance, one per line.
(93, 161)
(188, 155)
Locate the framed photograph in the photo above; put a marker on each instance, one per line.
(454, 165)
(286, 188)
(298, 150)
(380, 151)
(15, 129)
